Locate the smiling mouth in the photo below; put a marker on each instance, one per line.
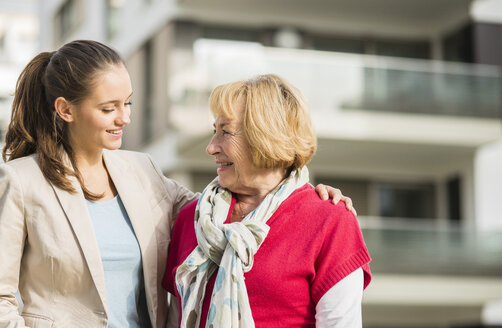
(225, 164)
(115, 132)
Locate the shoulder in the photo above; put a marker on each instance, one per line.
(187, 212)
(22, 176)
(131, 157)
(25, 168)
(184, 224)
(335, 238)
(141, 164)
(305, 202)
(23, 163)
(183, 234)
(320, 220)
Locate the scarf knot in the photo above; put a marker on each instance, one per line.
(245, 238)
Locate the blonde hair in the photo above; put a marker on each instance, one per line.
(276, 120)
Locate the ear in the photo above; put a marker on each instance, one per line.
(64, 109)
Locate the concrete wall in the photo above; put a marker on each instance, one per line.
(488, 186)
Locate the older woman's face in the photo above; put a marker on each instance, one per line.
(232, 153)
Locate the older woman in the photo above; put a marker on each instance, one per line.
(265, 251)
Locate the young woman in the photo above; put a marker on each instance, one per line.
(84, 227)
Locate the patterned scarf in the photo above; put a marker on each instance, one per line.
(230, 249)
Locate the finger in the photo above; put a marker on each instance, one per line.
(348, 202)
(349, 205)
(336, 194)
(321, 190)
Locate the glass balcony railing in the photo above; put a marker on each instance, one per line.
(441, 91)
(336, 81)
(401, 247)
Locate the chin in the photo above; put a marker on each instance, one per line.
(222, 182)
(113, 146)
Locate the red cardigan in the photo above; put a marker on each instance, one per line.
(312, 245)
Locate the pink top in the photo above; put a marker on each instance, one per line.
(312, 245)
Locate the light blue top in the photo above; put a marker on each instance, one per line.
(121, 257)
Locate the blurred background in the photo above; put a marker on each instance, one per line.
(405, 95)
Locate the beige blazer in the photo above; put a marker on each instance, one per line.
(49, 251)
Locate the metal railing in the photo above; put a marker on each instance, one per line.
(336, 81)
(405, 246)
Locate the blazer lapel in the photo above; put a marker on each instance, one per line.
(137, 205)
(77, 214)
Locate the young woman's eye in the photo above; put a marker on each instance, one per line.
(107, 110)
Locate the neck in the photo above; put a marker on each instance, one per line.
(86, 158)
(95, 175)
(89, 160)
(249, 198)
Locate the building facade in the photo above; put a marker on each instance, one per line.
(406, 99)
(18, 43)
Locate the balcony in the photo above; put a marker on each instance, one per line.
(433, 88)
(343, 82)
(432, 247)
(429, 274)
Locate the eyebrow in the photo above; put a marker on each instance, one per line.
(113, 101)
(221, 125)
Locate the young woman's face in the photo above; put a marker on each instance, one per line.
(99, 119)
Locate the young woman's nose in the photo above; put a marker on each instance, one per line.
(124, 116)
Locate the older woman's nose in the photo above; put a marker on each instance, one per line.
(212, 148)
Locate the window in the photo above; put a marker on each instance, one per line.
(113, 12)
(382, 47)
(338, 44)
(2, 41)
(148, 72)
(402, 200)
(458, 45)
(453, 186)
(387, 199)
(230, 33)
(407, 49)
(357, 190)
(5, 103)
(68, 19)
(201, 179)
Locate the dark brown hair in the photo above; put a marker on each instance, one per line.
(35, 126)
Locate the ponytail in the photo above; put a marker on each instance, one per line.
(29, 101)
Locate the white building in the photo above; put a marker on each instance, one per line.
(406, 97)
(18, 44)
